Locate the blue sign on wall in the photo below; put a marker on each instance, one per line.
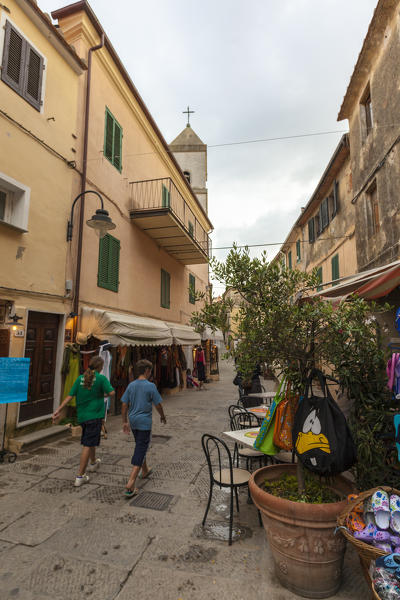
(14, 377)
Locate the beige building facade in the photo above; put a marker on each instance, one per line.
(88, 129)
(372, 106)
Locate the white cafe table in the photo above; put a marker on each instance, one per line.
(266, 397)
(259, 411)
(243, 436)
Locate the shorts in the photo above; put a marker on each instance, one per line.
(91, 431)
(142, 439)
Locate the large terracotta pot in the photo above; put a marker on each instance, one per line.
(308, 556)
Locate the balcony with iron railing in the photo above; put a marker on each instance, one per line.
(159, 209)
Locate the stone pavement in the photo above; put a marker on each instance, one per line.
(58, 542)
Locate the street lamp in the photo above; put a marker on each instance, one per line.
(100, 222)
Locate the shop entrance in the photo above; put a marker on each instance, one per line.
(4, 342)
(41, 348)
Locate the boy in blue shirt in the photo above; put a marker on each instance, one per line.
(137, 405)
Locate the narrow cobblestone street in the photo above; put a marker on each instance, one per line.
(58, 542)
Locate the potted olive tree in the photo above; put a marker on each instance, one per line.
(280, 321)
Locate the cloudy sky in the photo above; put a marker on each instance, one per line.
(251, 69)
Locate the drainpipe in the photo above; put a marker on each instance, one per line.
(83, 179)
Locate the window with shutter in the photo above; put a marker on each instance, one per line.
(289, 259)
(319, 275)
(22, 67)
(311, 231)
(317, 225)
(324, 214)
(165, 197)
(335, 267)
(335, 199)
(108, 270)
(192, 289)
(165, 289)
(113, 140)
(298, 251)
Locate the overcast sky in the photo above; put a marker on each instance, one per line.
(250, 69)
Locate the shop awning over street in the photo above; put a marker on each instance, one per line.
(208, 334)
(184, 335)
(370, 285)
(134, 330)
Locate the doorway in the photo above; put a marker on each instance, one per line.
(41, 348)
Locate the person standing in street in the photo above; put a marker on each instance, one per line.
(200, 363)
(89, 390)
(137, 405)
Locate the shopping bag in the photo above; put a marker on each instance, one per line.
(264, 441)
(284, 420)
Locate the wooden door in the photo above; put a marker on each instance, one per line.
(4, 342)
(41, 348)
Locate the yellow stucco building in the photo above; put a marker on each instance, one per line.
(73, 122)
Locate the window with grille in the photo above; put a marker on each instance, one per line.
(108, 272)
(165, 288)
(335, 267)
(192, 289)
(113, 140)
(22, 67)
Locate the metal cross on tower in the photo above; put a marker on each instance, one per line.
(188, 113)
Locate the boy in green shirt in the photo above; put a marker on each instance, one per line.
(89, 390)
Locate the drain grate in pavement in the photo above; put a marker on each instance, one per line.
(160, 439)
(152, 500)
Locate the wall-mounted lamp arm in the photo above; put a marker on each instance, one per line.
(71, 219)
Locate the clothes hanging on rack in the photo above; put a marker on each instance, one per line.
(393, 372)
(72, 369)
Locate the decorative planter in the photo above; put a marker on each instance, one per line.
(308, 556)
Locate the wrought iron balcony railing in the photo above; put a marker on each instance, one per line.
(160, 201)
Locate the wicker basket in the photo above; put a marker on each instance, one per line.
(366, 552)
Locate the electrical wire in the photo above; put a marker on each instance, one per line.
(339, 237)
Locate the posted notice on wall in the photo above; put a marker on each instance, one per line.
(14, 378)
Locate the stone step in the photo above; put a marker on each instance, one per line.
(32, 440)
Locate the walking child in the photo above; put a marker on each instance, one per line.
(137, 405)
(89, 390)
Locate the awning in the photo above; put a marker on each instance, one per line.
(120, 328)
(209, 334)
(370, 285)
(184, 335)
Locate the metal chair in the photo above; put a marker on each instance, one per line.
(217, 455)
(234, 409)
(244, 421)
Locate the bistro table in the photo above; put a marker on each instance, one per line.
(259, 411)
(266, 397)
(247, 437)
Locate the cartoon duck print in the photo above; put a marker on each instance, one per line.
(311, 437)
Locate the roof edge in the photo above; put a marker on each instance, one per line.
(83, 5)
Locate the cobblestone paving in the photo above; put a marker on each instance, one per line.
(58, 542)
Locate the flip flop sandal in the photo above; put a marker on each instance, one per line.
(358, 507)
(355, 522)
(366, 535)
(380, 505)
(390, 562)
(368, 512)
(382, 536)
(382, 546)
(149, 472)
(130, 493)
(395, 541)
(395, 513)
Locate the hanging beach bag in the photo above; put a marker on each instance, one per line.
(284, 420)
(321, 436)
(264, 441)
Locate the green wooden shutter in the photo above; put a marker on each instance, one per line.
(191, 229)
(165, 289)
(108, 270)
(335, 267)
(192, 289)
(109, 136)
(335, 206)
(290, 259)
(298, 251)
(311, 231)
(117, 147)
(319, 275)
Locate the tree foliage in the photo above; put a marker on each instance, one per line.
(280, 321)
